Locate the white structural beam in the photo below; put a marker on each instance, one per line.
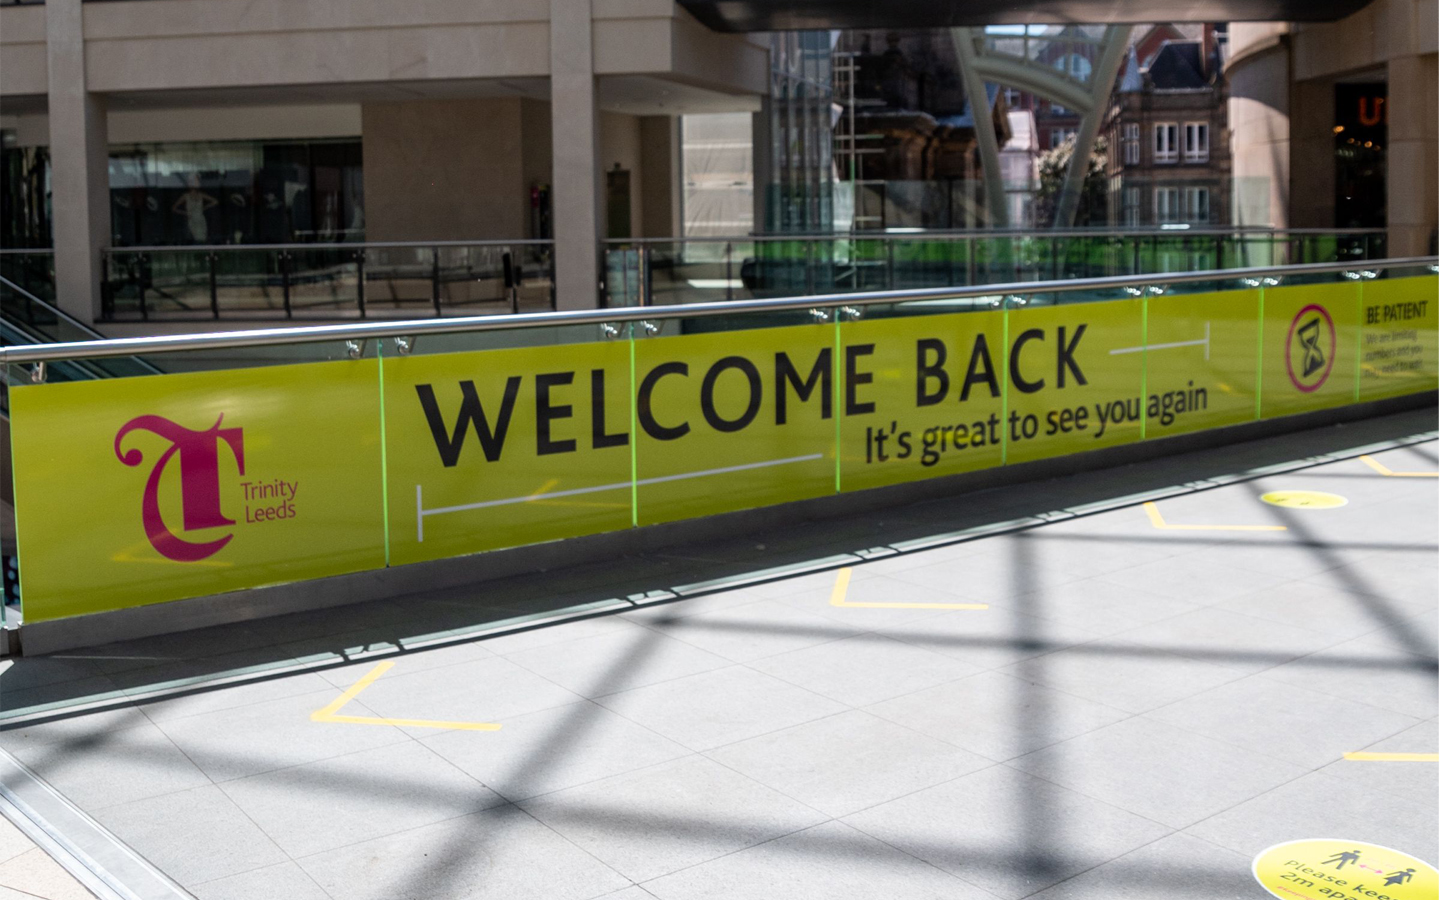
(985, 139)
(1112, 53)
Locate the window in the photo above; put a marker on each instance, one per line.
(1059, 136)
(1012, 98)
(1130, 141)
(1167, 149)
(1197, 205)
(1058, 110)
(1074, 65)
(1197, 141)
(1131, 206)
(1167, 205)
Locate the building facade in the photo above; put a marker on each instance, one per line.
(1167, 136)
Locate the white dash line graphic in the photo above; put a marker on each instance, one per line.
(1203, 342)
(421, 512)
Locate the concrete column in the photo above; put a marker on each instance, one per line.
(1410, 156)
(660, 176)
(79, 164)
(762, 163)
(1259, 113)
(574, 126)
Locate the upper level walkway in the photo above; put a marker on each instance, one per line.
(1117, 684)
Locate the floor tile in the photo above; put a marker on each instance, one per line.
(554, 749)
(996, 715)
(286, 880)
(353, 798)
(498, 854)
(1406, 780)
(117, 767)
(1177, 867)
(193, 836)
(864, 669)
(671, 816)
(1319, 805)
(755, 630)
(1155, 770)
(483, 690)
(720, 707)
(1276, 719)
(1123, 674)
(609, 663)
(1006, 831)
(827, 862)
(1365, 672)
(273, 735)
(847, 762)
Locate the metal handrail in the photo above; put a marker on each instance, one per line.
(981, 234)
(420, 327)
(351, 245)
(54, 310)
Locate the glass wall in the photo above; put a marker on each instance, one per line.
(219, 192)
(800, 190)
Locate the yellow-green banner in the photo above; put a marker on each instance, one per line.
(135, 491)
(140, 490)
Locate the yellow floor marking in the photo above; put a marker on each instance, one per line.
(1304, 499)
(842, 584)
(1159, 522)
(1380, 467)
(1394, 757)
(329, 713)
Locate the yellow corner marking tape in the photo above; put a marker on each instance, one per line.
(1159, 522)
(842, 584)
(1394, 757)
(1380, 467)
(1304, 499)
(329, 713)
(1329, 869)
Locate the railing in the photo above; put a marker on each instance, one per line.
(31, 270)
(929, 300)
(26, 319)
(297, 281)
(692, 270)
(469, 434)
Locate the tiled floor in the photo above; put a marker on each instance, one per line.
(1136, 714)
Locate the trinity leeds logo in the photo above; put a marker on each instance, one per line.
(199, 455)
(1310, 348)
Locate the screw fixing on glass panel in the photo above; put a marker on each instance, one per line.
(404, 345)
(854, 312)
(609, 331)
(820, 315)
(37, 374)
(651, 328)
(354, 349)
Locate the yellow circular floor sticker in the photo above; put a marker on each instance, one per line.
(1304, 499)
(1326, 869)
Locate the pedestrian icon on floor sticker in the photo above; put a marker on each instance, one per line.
(1340, 859)
(1400, 877)
(1329, 869)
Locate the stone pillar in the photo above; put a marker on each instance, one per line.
(660, 176)
(1259, 113)
(79, 164)
(574, 125)
(1410, 156)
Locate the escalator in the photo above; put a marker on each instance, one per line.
(27, 319)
